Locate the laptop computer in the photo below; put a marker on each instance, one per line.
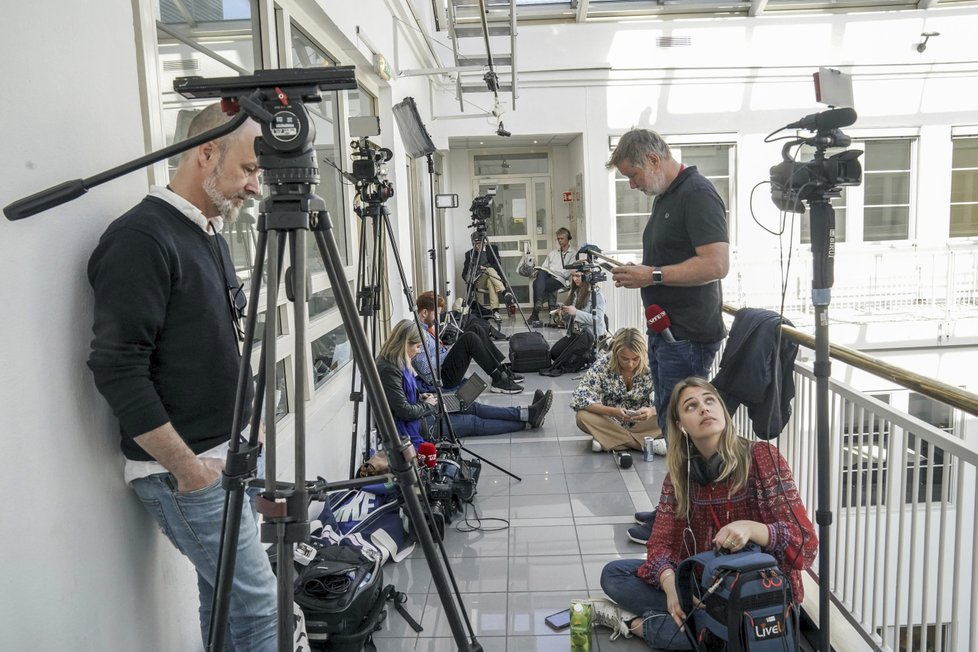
(465, 396)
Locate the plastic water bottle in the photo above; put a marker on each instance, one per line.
(580, 626)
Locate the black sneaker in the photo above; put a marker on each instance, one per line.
(495, 315)
(538, 410)
(512, 374)
(534, 320)
(640, 533)
(505, 386)
(644, 517)
(537, 395)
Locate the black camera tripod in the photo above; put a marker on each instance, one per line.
(275, 99)
(488, 253)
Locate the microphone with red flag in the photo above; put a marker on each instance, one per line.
(659, 322)
(427, 454)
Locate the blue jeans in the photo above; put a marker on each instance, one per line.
(480, 419)
(632, 593)
(192, 522)
(673, 362)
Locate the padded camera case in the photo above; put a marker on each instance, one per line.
(529, 352)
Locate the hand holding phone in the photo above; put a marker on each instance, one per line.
(559, 620)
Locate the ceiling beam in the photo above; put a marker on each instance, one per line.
(927, 4)
(757, 7)
(582, 10)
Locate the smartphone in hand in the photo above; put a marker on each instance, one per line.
(559, 620)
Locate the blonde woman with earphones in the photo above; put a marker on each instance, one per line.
(722, 492)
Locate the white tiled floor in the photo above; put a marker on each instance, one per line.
(567, 517)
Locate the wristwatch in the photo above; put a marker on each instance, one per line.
(656, 275)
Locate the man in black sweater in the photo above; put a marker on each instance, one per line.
(166, 353)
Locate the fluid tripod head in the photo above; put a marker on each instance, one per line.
(793, 182)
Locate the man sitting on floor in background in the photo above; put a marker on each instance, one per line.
(481, 271)
(471, 345)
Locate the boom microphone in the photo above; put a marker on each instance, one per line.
(831, 119)
(428, 454)
(659, 322)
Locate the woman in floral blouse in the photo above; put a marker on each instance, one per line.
(614, 400)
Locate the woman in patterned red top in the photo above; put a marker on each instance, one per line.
(722, 491)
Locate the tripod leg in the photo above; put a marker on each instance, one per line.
(401, 465)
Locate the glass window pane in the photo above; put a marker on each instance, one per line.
(886, 223)
(887, 188)
(499, 164)
(964, 220)
(887, 155)
(329, 353)
(281, 395)
(322, 302)
(964, 185)
(710, 160)
(361, 103)
(630, 229)
(964, 188)
(325, 117)
(965, 153)
(508, 210)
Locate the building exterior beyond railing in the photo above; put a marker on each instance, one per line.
(903, 492)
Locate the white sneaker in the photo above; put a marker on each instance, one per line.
(596, 446)
(659, 446)
(608, 614)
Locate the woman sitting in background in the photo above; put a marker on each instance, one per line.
(414, 412)
(576, 313)
(614, 399)
(722, 492)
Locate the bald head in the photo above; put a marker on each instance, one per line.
(219, 175)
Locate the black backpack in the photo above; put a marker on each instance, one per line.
(343, 597)
(578, 354)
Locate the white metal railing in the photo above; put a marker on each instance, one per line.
(904, 495)
(941, 281)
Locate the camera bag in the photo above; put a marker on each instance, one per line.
(747, 601)
(529, 352)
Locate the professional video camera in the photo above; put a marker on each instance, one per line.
(792, 181)
(370, 171)
(481, 208)
(448, 480)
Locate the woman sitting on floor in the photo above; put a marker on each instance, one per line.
(614, 399)
(576, 314)
(414, 412)
(722, 492)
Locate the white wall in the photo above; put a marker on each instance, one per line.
(83, 564)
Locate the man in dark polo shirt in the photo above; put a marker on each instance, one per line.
(685, 253)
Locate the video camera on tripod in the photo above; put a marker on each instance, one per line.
(370, 167)
(448, 481)
(481, 210)
(792, 182)
(591, 271)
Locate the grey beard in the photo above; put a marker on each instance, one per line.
(225, 205)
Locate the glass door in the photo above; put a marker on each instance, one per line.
(520, 220)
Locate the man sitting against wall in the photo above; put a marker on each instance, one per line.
(472, 344)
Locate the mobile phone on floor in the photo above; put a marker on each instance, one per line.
(559, 620)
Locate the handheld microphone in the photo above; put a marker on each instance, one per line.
(428, 454)
(659, 322)
(831, 119)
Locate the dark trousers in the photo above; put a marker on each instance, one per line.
(468, 347)
(545, 286)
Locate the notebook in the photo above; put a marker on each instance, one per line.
(460, 400)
